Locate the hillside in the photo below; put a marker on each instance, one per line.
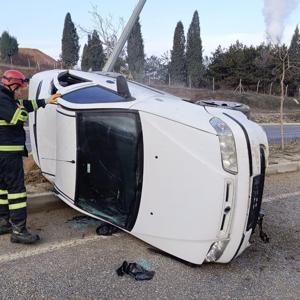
(32, 57)
(30, 61)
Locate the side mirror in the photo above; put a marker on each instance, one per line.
(122, 87)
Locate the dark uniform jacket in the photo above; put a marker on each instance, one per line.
(13, 115)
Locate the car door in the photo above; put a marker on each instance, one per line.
(110, 165)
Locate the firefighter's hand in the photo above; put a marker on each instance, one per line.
(53, 98)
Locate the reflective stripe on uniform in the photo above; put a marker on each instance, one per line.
(3, 202)
(17, 206)
(4, 123)
(19, 115)
(23, 115)
(17, 196)
(11, 148)
(15, 117)
(3, 192)
(34, 105)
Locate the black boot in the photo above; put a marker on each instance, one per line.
(21, 235)
(5, 226)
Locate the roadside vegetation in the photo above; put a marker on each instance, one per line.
(266, 77)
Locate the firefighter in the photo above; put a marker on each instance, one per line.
(13, 115)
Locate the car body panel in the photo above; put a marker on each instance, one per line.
(188, 201)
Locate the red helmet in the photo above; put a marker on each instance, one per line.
(11, 77)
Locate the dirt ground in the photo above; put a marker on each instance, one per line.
(274, 117)
(264, 108)
(34, 180)
(291, 153)
(37, 183)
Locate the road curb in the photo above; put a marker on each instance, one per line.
(283, 168)
(278, 124)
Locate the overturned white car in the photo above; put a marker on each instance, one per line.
(185, 178)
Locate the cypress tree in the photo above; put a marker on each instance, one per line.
(84, 57)
(294, 50)
(93, 57)
(195, 68)
(95, 53)
(70, 44)
(178, 59)
(135, 52)
(8, 46)
(293, 77)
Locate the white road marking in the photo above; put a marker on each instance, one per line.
(48, 248)
(281, 197)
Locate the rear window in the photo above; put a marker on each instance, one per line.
(94, 94)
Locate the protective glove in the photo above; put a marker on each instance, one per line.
(53, 99)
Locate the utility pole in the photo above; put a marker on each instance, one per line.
(109, 66)
(213, 84)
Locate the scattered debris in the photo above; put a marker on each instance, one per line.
(135, 270)
(264, 237)
(82, 222)
(106, 229)
(145, 264)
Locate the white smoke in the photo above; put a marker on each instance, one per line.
(276, 12)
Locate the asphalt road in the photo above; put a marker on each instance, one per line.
(291, 132)
(72, 262)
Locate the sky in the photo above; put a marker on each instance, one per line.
(39, 24)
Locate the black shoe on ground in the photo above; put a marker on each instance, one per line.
(5, 226)
(5, 229)
(20, 234)
(24, 237)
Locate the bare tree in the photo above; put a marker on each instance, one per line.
(107, 29)
(285, 66)
(284, 58)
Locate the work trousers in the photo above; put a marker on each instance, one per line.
(12, 189)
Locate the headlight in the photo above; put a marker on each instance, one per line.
(216, 250)
(227, 145)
